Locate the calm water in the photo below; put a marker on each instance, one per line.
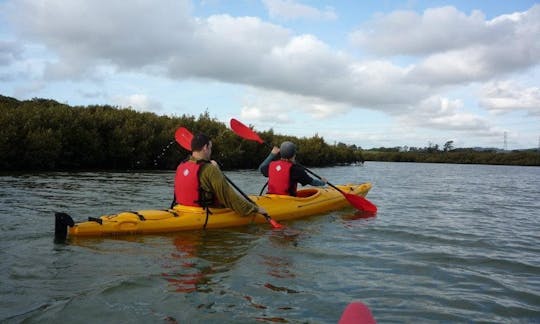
(451, 243)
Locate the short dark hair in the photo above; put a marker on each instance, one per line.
(199, 141)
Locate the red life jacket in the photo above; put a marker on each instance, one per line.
(279, 178)
(186, 183)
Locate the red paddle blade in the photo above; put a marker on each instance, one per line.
(245, 132)
(272, 222)
(275, 224)
(357, 312)
(361, 203)
(183, 137)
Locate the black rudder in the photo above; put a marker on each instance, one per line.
(61, 223)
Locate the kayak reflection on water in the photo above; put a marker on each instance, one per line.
(200, 256)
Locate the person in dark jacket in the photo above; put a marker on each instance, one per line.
(284, 174)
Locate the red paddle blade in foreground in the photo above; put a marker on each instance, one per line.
(244, 131)
(183, 137)
(357, 312)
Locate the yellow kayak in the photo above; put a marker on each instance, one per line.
(308, 202)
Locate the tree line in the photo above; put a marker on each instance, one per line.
(42, 134)
(432, 154)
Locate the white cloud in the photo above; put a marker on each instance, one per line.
(439, 30)
(10, 51)
(226, 48)
(458, 48)
(290, 10)
(139, 102)
(507, 96)
(445, 114)
(246, 50)
(409, 33)
(275, 107)
(452, 67)
(84, 34)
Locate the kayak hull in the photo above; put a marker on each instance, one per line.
(309, 201)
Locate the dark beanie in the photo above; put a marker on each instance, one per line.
(287, 150)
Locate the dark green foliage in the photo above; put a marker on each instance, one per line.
(41, 134)
(462, 156)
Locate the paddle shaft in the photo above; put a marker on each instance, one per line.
(319, 177)
(244, 195)
(266, 216)
(238, 189)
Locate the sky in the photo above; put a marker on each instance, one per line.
(370, 73)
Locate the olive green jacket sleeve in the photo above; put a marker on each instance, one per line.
(212, 180)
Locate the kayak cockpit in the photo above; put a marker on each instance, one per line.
(304, 193)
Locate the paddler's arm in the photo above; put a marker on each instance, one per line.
(263, 168)
(213, 180)
(318, 182)
(300, 175)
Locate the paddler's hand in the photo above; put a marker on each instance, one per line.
(323, 179)
(275, 150)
